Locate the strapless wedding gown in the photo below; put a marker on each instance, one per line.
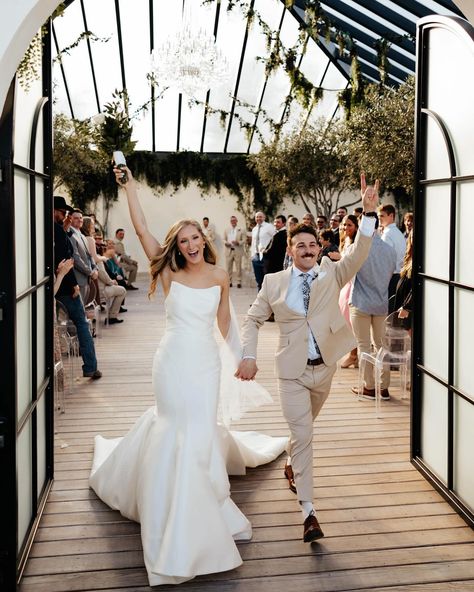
(169, 472)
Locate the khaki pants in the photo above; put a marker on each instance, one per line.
(131, 270)
(301, 401)
(114, 295)
(234, 256)
(368, 328)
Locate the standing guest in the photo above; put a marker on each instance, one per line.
(85, 268)
(334, 223)
(403, 293)
(126, 262)
(326, 240)
(393, 237)
(234, 239)
(321, 222)
(274, 254)
(292, 222)
(407, 224)
(313, 336)
(368, 306)
(341, 212)
(68, 292)
(357, 212)
(308, 219)
(208, 230)
(350, 226)
(262, 234)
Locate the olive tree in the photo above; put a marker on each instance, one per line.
(310, 166)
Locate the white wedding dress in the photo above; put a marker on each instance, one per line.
(169, 472)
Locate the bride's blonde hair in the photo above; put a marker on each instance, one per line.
(171, 256)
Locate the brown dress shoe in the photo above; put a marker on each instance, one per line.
(288, 472)
(311, 529)
(366, 393)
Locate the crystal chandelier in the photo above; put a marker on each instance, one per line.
(189, 61)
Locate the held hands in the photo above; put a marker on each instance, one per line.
(247, 369)
(369, 194)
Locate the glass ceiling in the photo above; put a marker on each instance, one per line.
(127, 31)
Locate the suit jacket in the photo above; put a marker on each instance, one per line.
(274, 254)
(83, 263)
(120, 250)
(333, 335)
(239, 236)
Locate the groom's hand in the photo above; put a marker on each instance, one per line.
(247, 369)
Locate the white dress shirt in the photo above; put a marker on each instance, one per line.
(394, 237)
(267, 230)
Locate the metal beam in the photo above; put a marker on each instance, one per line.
(389, 15)
(63, 73)
(120, 43)
(350, 26)
(370, 64)
(296, 13)
(208, 94)
(239, 73)
(262, 94)
(89, 50)
(151, 23)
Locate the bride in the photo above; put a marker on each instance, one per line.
(169, 472)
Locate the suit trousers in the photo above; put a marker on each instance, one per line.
(363, 324)
(301, 401)
(131, 269)
(234, 256)
(258, 270)
(114, 295)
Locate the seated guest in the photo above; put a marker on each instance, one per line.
(113, 293)
(326, 240)
(112, 266)
(126, 262)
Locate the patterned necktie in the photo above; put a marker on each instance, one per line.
(306, 291)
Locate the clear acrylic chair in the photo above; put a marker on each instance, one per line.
(59, 400)
(395, 353)
(68, 340)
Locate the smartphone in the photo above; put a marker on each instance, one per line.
(120, 162)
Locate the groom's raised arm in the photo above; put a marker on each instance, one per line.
(258, 313)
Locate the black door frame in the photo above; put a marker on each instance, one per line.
(462, 28)
(12, 560)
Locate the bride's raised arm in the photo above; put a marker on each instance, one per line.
(149, 243)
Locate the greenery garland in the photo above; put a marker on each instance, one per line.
(234, 173)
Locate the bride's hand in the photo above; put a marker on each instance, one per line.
(119, 171)
(247, 369)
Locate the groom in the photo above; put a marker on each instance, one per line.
(313, 336)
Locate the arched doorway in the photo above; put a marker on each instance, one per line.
(26, 316)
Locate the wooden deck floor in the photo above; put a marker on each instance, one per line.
(386, 528)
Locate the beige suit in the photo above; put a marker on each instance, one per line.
(233, 253)
(303, 388)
